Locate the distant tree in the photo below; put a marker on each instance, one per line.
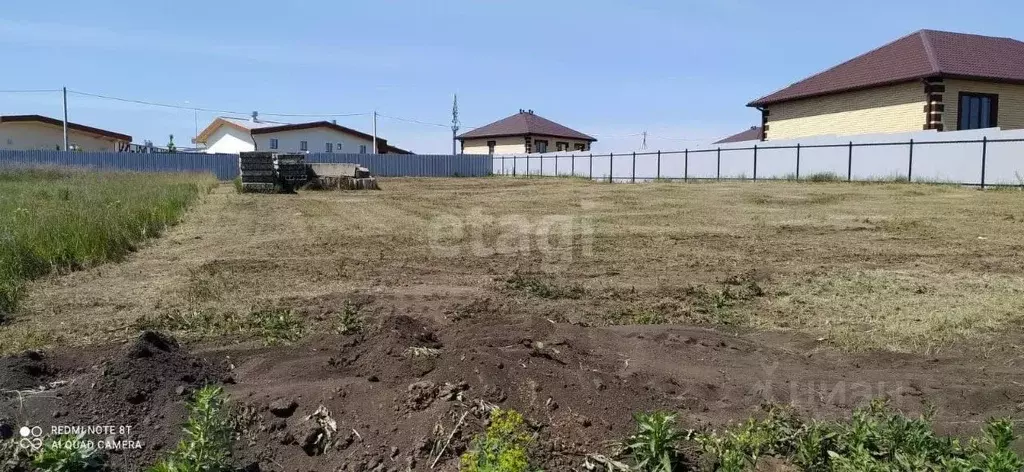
(170, 145)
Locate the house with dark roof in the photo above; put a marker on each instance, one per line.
(931, 80)
(234, 135)
(37, 132)
(524, 132)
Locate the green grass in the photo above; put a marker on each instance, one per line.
(60, 220)
(541, 288)
(272, 325)
(823, 177)
(875, 438)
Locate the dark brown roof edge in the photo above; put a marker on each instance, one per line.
(318, 124)
(762, 102)
(56, 122)
(463, 137)
(398, 150)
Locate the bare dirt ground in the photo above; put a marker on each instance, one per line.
(574, 302)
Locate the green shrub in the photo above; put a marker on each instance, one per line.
(68, 453)
(654, 445)
(207, 441)
(876, 438)
(503, 448)
(237, 182)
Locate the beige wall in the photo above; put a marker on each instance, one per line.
(889, 109)
(552, 140)
(316, 141)
(1011, 102)
(516, 144)
(47, 137)
(503, 145)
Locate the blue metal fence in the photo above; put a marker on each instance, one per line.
(225, 166)
(413, 165)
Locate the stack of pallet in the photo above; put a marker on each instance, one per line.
(343, 176)
(292, 170)
(257, 171)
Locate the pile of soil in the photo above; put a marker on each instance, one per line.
(141, 385)
(409, 393)
(22, 372)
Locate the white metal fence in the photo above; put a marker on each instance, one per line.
(976, 157)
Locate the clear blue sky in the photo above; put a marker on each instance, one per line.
(678, 69)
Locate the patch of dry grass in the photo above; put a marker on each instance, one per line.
(897, 310)
(835, 260)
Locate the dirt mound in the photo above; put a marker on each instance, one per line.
(25, 371)
(407, 393)
(405, 386)
(139, 389)
(400, 348)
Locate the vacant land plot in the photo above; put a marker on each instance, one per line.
(906, 268)
(577, 303)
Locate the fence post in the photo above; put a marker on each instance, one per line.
(718, 171)
(849, 164)
(527, 165)
(556, 166)
(755, 163)
(591, 166)
(541, 157)
(686, 165)
(514, 159)
(632, 178)
(658, 177)
(797, 162)
(984, 155)
(910, 163)
(611, 166)
(573, 165)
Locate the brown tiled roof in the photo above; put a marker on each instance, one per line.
(525, 123)
(926, 53)
(752, 134)
(74, 126)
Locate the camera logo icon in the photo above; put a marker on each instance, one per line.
(31, 438)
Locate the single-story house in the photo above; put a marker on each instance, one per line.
(37, 132)
(926, 80)
(233, 135)
(524, 132)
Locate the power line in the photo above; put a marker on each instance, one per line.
(410, 120)
(210, 110)
(675, 139)
(31, 91)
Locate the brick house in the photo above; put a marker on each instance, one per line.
(524, 132)
(926, 80)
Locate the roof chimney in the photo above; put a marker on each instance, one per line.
(334, 122)
(529, 111)
(255, 117)
(522, 111)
